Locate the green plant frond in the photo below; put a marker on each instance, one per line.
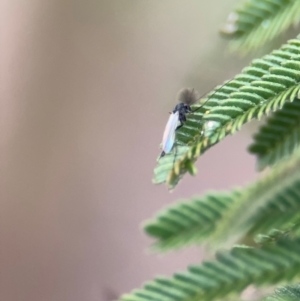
(280, 210)
(277, 220)
(188, 222)
(230, 273)
(285, 293)
(271, 237)
(279, 137)
(261, 88)
(261, 203)
(289, 226)
(257, 22)
(273, 202)
(275, 234)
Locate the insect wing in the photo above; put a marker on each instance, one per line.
(169, 133)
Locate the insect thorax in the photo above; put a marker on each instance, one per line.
(182, 108)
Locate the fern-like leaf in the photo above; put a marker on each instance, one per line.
(261, 88)
(279, 137)
(271, 203)
(257, 22)
(279, 220)
(189, 222)
(286, 293)
(231, 273)
(261, 203)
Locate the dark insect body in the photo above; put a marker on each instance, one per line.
(177, 118)
(182, 110)
(186, 98)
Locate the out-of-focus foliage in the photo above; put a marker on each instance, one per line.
(279, 137)
(285, 293)
(189, 222)
(268, 204)
(256, 22)
(230, 273)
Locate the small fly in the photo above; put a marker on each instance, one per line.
(186, 97)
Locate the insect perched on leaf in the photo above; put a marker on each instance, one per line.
(186, 98)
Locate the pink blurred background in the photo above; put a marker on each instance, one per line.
(86, 87)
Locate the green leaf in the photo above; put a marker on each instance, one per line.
(279, 137)
(285, 293)
(188, 222)
(261, 88)
(231, 272)
(270, 203)
(257, 22)
(274, 235)
(285, 221)
(257, 210)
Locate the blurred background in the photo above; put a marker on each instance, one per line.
(86, 87)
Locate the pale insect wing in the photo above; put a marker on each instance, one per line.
(169, 133)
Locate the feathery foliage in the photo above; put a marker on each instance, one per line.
(265, 214)
(261, 88)
(277, 193)
(285, 293)
(279, 137)
(231, 272)
(273, 202)
(189, 222)
(257, 22)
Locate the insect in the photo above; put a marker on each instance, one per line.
(186, 98)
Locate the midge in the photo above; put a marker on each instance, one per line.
(186, 98)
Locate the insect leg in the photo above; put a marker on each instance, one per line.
(181, 125)
(175, 147)
(182, 120)
(162, 154)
